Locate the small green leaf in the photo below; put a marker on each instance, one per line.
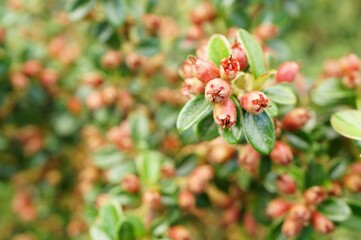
(315, 175)
(110, 216)
(97, 233)
(139, 228)
(193, 111)
(206, 129)
(347, 123)
(281, 94)
(353, 222)
(78, 9)
(65, 125)
(263, 78)
(254, 53)
(139, 126)
(299, 140)
(126, 231)
(148, 165)
(335, 209)
(218, 48)
(330, 92)
(114, 11)
(272, 109)
(259, 131)
(337, 170)
(234, 134)
(107, 157)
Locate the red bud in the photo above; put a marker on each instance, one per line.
(131, 183)
(281, 154)
(285, 184)
(217, 91)
(315, 195)
(277, 207)
(254, 102)
(295, 119)
(240, 55)
(229, 68)
(287, 72)
(321, 223)
(225, 114)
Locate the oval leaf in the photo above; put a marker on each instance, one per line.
(353, 222)
(259, 131)
(335, 209)
(114, 11)
(78, 9)
(126, 231)
(194, 110)
(148, 166)
(206, 128)
(218, 48)
(330, 92)
(281, 94)
(347, 123)
(253, 51)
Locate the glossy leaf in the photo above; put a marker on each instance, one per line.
(114, 11)
(97, 233)
(335, 209)
(218, 48)
(259, 131)
(206, 129)
(281, 94)
(107, 157)
(140, 130)
(263, 78)
(194, 110)
(272, 109)
(148, 165)
(110, 216)
(77, 9)
(254, 53)
(126, 231)
(347, 123)
(330, 92)
(138, 225)
(353, 222)
(315, 175)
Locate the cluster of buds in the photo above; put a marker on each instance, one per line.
(347, 68)
(300, 214)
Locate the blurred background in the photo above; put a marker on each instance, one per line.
(76, 76)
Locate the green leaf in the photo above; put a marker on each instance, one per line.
(263, 78)
(97, 233)
(139, 228)
(110, 215)
(114, 11)
(193, 111)
(281, 94)
(331, 92)
(299, 140)
(254, 53)
(78, 9)
(107, 157)
(206, 129)
(65, 125)
(337, 170)
(118, 171)
(315, 175)
(234, 134)
(148, 165)
(126, 231)
(272, 109)
(259, 131)
(353, 222)
(335, 209)
(218, 48)
(139, 126)
(347, 123)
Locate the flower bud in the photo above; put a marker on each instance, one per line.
(192, 86)
(291, 228)
(277, 207)
(295, 119)
(204, 172)
(350, 63)
(32, 68)
(203, 12)
(220, 151)
(130, 183)
(94, 100)
(196, 184)
(321, 223)
(151, 22)
(353, 182)
(111, 59)
(315, 195)
(281, 153)
(94, 79)
(335, 189)
(230, 216)
(225, 114)
(109, 94)
(186, 199)
(195, 32)
(352, 80)
(152, 198)
(49, 77)
(167, 170)
(355, 168)
(249, 159)
(240, 55)
(205, 70)
(266, 31)
(186, 70)
(286, 184)
(217, 91)
(250, 224)
(300, 213)
(332, 68)
(254, 102)
(19, 81)
(178, 233)
(229, 68)
(134, 61)
(287, 72)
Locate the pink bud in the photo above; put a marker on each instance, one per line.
(229, 68)
(240, 55)
(134, 61)
(217, 91)
(266, 31)
(94, 79)
(195, 32)
(49, 77)
(254, 102)
(109, 94)
(350, 63)
(281, 154)
(203, 12)
(186, 70)
(167, 170)
(315, 195)
(220, 151)
(277, 207)
(353, 182)
(131, 183)
(205, 70)
(94, 100)
(300, 213)
(230, 216)
(19, 81)
(225, 114)
(250, 224)
(291, 228)
(192, 86)
(286, 184)
(204, 172)
(32, 68)
(152, 198)
(321, 223)
(332, 68)
(287, 72)
(295, 119)
(355, 168)
(249, 159)
(111, 59)
(186, 199)
(151, 22)
(178, 233)
(335, 189)
(352, 80)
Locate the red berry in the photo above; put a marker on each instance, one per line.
(225, 114)
(111, 59)
(192, 86)
(131, 183)
(254, 102)
(249, 159)
(287, 72)
(300, 213)
(217, 91)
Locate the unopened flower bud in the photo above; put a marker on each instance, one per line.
(93, 79)
(19, 81)
(291, 228)
(229, 68)
(350, 63)
(300, 213)
(332, 68)
(281, 153)
(192, 86)
(254, 102)
(295, 119)
(321, 223)
(109, 94)
(32, 68)
(230, 216)
(249, 159)
(204, 172)
(266, 31)
(240, 55)
(195, 32)
(203, 12)
(287, 72)
(205, 70)
(94, 100)
(111, 59)
(353, 182)
(178, 233)
(315, 195)
(167, 171)
(49, 77)
(187, 69)
(217, 91)
(152, 198)
(225, 114)
(352, 80)
(285, 184)
(131, 183)
(151, 22)
(186, 199)
(277, 207)
(134, 61)
(335, 189)
(196, 184)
